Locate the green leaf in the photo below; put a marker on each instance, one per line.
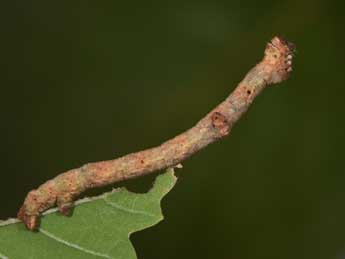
(99, 227)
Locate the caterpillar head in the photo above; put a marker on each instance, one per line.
(278, 58)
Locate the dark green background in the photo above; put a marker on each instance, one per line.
(93, 80)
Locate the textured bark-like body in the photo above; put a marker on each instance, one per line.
(62, 190)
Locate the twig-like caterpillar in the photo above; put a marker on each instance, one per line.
(63, 189)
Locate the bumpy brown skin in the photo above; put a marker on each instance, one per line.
(63, 189)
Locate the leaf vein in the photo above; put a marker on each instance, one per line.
(128, 210)
(75, 246)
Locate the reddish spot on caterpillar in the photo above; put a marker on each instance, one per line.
(220, 122)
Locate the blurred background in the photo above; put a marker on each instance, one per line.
(93, 80)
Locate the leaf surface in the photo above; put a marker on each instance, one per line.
(99, 227)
